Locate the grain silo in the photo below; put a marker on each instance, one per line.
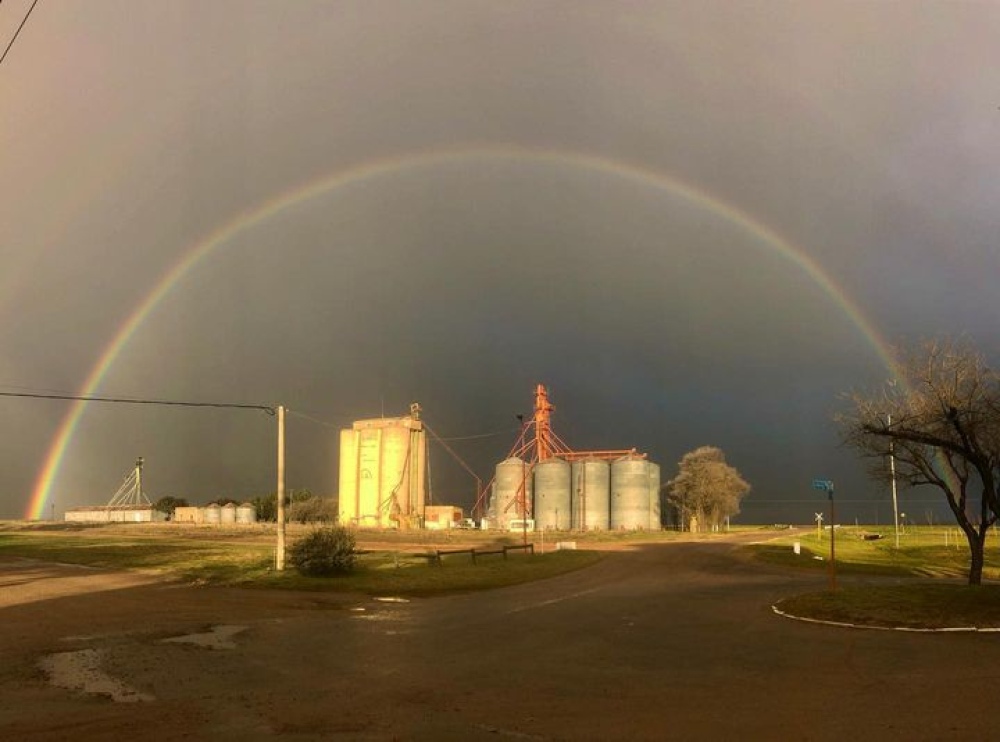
(246, 514)
(553, 494)
(227, 514)
(213, 514)
(655, 516)
(630, 506)
(383, 464)
(511, 475)
(591, 494)
(622, 494)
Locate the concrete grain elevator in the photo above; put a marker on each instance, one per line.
(383, 465)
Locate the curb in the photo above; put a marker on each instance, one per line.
(843, 625)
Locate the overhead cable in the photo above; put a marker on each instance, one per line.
(480, 435)
(310, 418)
(14, 38)
(451, 451)
(132, 400)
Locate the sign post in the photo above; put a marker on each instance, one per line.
(826, 485)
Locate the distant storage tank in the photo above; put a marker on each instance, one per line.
(213, 514)
(510, 474)
(228, 513)
(246, 514)
(553, 500)
(630, 508)
(591, 494)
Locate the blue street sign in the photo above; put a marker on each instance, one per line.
(823, 484)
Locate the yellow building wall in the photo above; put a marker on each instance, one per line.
(383, 465)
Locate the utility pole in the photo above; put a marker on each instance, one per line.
(892, 473)
(524, 486)
(279, 556)
(833, 541)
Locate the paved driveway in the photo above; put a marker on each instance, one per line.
(672, 641)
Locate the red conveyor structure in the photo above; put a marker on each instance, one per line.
(537, 442)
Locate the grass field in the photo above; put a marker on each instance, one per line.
(245, 557)
(924, 551)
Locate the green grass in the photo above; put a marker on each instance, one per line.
(917, 605)
(923, 552)
(927, 552)
(246, 559)
(384, 573)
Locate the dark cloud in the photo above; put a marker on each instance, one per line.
(862, 134)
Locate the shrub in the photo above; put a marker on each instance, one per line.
(324, 552)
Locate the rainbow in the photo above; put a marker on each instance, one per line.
(374, 169)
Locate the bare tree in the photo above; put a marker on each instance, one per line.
(706, 487)
(941, 422)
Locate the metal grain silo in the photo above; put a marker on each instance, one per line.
(629, 493)
(213, 514)
(655, 521)
(511, 474)
(591, 483)
(553, 494)
(246, 514)
(227, 513)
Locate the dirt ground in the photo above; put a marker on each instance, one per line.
(665, 641)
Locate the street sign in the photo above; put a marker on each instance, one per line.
(827, 486)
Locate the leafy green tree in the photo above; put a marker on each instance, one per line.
(168, 504)
(221, 501)
(267, 507)
(312, 510)
(706, 488)
(294, 496)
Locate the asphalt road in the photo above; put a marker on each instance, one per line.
(672, 641)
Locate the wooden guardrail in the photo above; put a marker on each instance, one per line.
(436, 556)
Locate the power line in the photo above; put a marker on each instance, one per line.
(311, 419)
(454, 455)
(131, 400)
(480, 435)
(33, 388)
(25, 20)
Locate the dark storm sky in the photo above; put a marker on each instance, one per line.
(865, 134)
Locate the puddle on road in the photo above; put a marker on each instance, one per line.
(220, 637)
(81, 671)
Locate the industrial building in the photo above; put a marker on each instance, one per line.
(128, 505)
(543, 484)
(114, 514)
(383, 467)
(443, 517)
